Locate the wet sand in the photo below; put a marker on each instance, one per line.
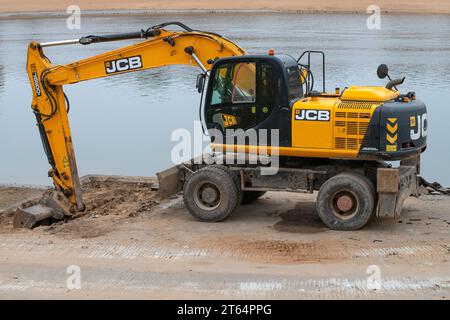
(130, 244)
(351, 6)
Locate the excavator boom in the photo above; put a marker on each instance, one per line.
(159, 47)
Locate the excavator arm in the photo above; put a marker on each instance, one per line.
(160, 47)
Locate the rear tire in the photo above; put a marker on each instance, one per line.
(251, 196)
(346, 201)
(211, 194)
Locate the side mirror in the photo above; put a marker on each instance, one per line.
(200, 82)
(382, 71)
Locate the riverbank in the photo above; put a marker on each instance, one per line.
(54, 7)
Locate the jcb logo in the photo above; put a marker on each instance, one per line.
(419, 126)
(228, 120)
(312, 115)
(124, 64)
(37, 87)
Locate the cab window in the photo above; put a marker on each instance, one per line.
(235, 83)
(295, 80)
(242, 95)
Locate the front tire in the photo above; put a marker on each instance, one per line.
(346, 202)
(211, 194)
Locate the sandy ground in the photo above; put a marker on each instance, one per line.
(130, 244)
(411, 6)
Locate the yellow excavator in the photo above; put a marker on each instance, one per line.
(336, 143)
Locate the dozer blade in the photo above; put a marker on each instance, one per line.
(54, 205)
(170, 182)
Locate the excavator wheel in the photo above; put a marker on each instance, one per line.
(252, 196)
(236, 178)
(245, 197)
(211, 194)
(346, 202)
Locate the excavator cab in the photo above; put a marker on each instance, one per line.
(276, 93)
(253, 92)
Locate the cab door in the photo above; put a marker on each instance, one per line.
(232, 101)
(244, 94)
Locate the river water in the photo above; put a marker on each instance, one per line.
(123, 125)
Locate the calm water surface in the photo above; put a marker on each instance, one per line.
(123, 124)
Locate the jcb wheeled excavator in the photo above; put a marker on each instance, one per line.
(337, 143)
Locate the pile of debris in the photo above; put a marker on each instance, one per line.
(116, 196)
(434, 188)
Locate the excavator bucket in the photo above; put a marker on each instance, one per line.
(53, 205)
